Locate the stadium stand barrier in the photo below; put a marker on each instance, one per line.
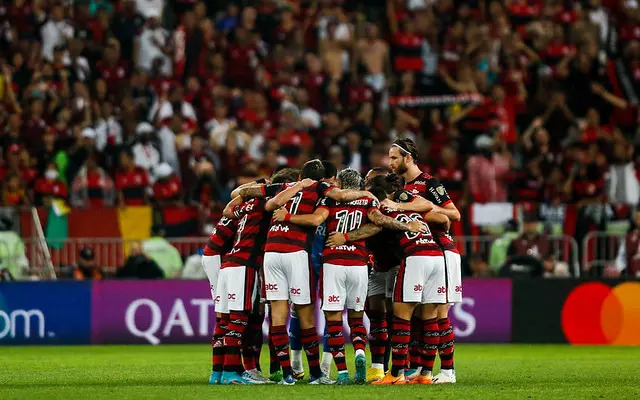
(599, 250)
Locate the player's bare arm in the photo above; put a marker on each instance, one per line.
(284, 196)
(228, 209)
(437, 218)
(348, 194)
(315, 219)
(450, 210)
(364, 232)
(256, 183)
(418, 204)
(379, 219)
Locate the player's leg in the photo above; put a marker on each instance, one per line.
(430, 337)
(211, 267)
(415, 346)
(454, 295)
(276, 288)
(378, 331)
(333, 302)
(302, 293)
(356, 293)
(241, 294)
(275, 373)
(222, 321)
(390, 280)
(326, 358)
(295, 343)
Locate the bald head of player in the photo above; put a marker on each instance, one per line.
(403, 159)
(349, 178)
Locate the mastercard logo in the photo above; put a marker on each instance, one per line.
(595, 313)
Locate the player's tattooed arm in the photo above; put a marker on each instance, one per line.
(250, 192)
(377, 218)
(284, 196)
(418, 204)
(228, 209)
(364, 232)
(256, 183)
(348, 194)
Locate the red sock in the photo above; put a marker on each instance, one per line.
(379, 336)
(251, 341)
(415, 346)
(400, 339)
(309, 339)
(336, 344)
(274, 363)
(430, 340)
(358, 334)
(280, 340)
(233, 341)
(217, 358)
(445, 345)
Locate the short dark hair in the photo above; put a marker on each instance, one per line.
(330, 170)
(407, 147)
(383, 185)
(285, 175)
(312, 169)
(350, 179)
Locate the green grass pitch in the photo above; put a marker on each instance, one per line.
(182, 371)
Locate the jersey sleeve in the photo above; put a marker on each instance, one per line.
(236, 211)
(323, 188)
(403, 196)
(437, 193)
(373, 205)
(271, 189)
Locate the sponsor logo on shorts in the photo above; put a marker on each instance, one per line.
(217, 299)
(357, 299)
(442, 290)
(417, 288)
(295, 291)
(333, 299)
(231, 296)
(271, 287)
(459, 289)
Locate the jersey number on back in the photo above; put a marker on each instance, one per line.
(241, 225)
(410, 218)
(348, 221)
(295, 202)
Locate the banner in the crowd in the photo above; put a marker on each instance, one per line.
(45, 313)
(151, 312)
(576, 311)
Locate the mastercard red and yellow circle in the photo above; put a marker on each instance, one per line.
(596, 313)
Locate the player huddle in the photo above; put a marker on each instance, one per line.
(380, 246)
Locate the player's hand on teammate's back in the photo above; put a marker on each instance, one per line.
(306, 182)
(280, 214)
(336, 239)
(417, 226)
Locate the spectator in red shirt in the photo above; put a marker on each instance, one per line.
(13, 192)
(92, 186)
(168, 189)
(132, 182)
(49, 187)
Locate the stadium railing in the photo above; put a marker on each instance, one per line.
(599, 251)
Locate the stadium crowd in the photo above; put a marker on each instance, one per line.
(128, 102)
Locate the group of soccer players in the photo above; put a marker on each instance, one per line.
(379, 246)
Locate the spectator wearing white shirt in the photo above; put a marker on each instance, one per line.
(55, 32)
(108, 128)
(220, 125)
(145, 155)
(153, 46)
(167, 140)
(163, 109)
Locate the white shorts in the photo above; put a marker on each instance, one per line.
(211, 266)
(237, 289)
(454, 276)
(287, 276)
(343, 285)
(421, 279)
(381, 283)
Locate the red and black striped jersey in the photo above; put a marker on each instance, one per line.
(221, 238)
(431, 189)
(412, 243)
(345, 217)
(253, 222)
(287, 237)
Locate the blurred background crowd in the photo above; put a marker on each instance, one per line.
(175, 102)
